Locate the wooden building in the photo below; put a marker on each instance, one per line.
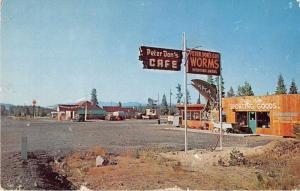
(68, 111)
(272, 115)
(196, 117)
(129, 112)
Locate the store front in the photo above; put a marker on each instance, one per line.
(273, 115)
(197, 116)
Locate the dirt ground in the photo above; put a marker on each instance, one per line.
(133, 148)
(273, 166)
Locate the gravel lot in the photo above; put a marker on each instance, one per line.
(53, 136)
(56, 139)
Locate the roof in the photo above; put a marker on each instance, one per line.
(118, 108)
(89, 105)
(191, 106)
(79, 105)
(67, 107)
(92, 112)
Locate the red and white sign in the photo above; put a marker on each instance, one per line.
(204, 62)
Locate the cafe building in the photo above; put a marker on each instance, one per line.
(197, 117)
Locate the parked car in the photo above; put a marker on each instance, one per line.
(110, 117)
(78, 118)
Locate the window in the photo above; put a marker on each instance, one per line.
(252, 116)
(241, 118)
(195, 115)
(263, 119)
(224, 117)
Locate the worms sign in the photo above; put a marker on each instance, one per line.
(160, 58)
(204, 62)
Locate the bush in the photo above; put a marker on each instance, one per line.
(236, 158)
(296, 130)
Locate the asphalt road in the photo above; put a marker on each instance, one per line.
(54, 136)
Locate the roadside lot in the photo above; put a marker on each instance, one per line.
(115, 136)
(48, 140)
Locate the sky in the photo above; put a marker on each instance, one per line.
(56, 51)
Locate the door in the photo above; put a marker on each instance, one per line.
(252, 121)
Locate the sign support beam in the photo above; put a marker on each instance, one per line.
(220, 110)
(185, 94)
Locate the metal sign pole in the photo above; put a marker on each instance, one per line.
(170, 102)
(185, 94)
(220, 110)
(85, 112)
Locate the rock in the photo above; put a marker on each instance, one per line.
(83, 188)
(101, 161)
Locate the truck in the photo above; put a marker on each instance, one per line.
(150, 114)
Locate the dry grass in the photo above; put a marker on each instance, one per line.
(273, 166)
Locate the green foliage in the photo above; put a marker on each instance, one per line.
(164, 105)
(198, 100)
(151, 103)
(210, 80)
(296, 130)
(22, 111)
(230, 93)
(222, 85)
(141, 109)
(280, 89)
(188, 97)
(120, 104)
(293, 88)
(94, 99)
(245, 90)
(4, 111)
(179, 94)
(236, 158)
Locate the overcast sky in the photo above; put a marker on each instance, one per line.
(56, 51)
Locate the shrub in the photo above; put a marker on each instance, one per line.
(236, 158)
(296, 130)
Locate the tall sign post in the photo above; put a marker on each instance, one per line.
(220, 109)
(185, 93)
(170, 102)
(195, 61)
(208, 63)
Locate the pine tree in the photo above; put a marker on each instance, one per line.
(198, 100)
(245, 90)
(188, 97)
(248, 89)
(222, 85)
(293, 88)
(210, 80)
(120, 104)
(280, 89)
(94, 99)
(179, 93)
(164, 105)
(230, 93)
